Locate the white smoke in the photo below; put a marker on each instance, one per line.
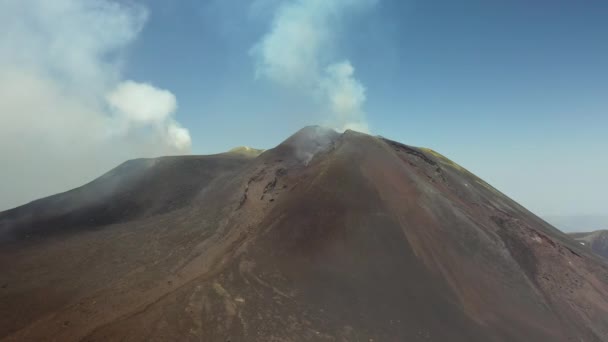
(141, 104)
(66, 113)
(296, 53)
(345, 95)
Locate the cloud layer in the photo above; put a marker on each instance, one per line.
(66, 113)
(297, 52)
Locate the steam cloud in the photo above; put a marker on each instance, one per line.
(296, 52)
(142, 104)
(66, 112)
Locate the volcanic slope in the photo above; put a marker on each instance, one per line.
(327, 237)
(596, 240)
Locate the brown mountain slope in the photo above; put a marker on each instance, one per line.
(597, 241)
(325, 237)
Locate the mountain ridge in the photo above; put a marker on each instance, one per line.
(596, 240)
(327, 236)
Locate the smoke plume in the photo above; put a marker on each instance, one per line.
(298, 50)
(66, 112)
(141, 104)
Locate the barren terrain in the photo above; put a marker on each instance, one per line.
(327, 237)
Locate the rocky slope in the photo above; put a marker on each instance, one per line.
(597, 241)
(327, 237)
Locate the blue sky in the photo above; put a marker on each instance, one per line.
(515, 91)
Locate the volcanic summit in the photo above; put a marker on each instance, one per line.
(326, 237)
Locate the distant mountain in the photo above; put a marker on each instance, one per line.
(597, 241)
(578, 223)
(246, 150)
(326, 237)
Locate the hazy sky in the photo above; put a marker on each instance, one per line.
(515, 91)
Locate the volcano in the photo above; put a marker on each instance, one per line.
(326, 237)
(597, 241)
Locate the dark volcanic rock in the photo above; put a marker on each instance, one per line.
(327, 237)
